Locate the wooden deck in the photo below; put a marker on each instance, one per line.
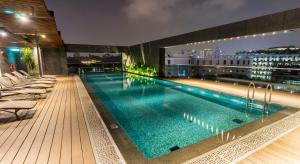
(284, 150)
(56, 133)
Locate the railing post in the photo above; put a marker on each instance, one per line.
(268, 96)
(248, 98)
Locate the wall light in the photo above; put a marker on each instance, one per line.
(43, 36)
(285, 31)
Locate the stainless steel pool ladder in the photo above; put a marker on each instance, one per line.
(268, 96)
(250, 99)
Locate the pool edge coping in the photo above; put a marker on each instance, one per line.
(95, 133)
(215, 157)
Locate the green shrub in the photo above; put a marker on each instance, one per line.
(142, 69)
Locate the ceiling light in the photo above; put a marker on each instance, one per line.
(22, 18)
(3, 33)
(43, 36)
(8, 11)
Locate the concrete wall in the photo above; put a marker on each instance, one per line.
(54, 61)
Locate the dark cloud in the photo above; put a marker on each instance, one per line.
(127, 22)
(166, 10)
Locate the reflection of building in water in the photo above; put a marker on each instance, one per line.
(267, 65)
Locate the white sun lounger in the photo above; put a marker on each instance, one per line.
(24, 79)
(8, 90)
(44, 76)
(18, 83)
(16, 106)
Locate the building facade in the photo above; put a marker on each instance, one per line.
(273, 64)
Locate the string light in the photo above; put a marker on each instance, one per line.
(238, 37)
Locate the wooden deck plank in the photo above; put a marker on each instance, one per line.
(77, 155)
(56, 143)
(8, 132)
(47, 143)
(15, 146)
(11, 139)
(283, 150)
(24, 149)
(38, 141)
(4, 127)
(57, 132)
(88, 155)
(66, 149)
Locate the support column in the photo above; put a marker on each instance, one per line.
(38, 53)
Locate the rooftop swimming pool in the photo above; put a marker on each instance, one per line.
(161, 116)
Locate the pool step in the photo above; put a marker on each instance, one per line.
(257, 106)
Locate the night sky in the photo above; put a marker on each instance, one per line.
(128, 22)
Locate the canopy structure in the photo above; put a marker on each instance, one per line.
(24, 22)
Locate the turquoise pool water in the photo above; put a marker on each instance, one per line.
(159, 116)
